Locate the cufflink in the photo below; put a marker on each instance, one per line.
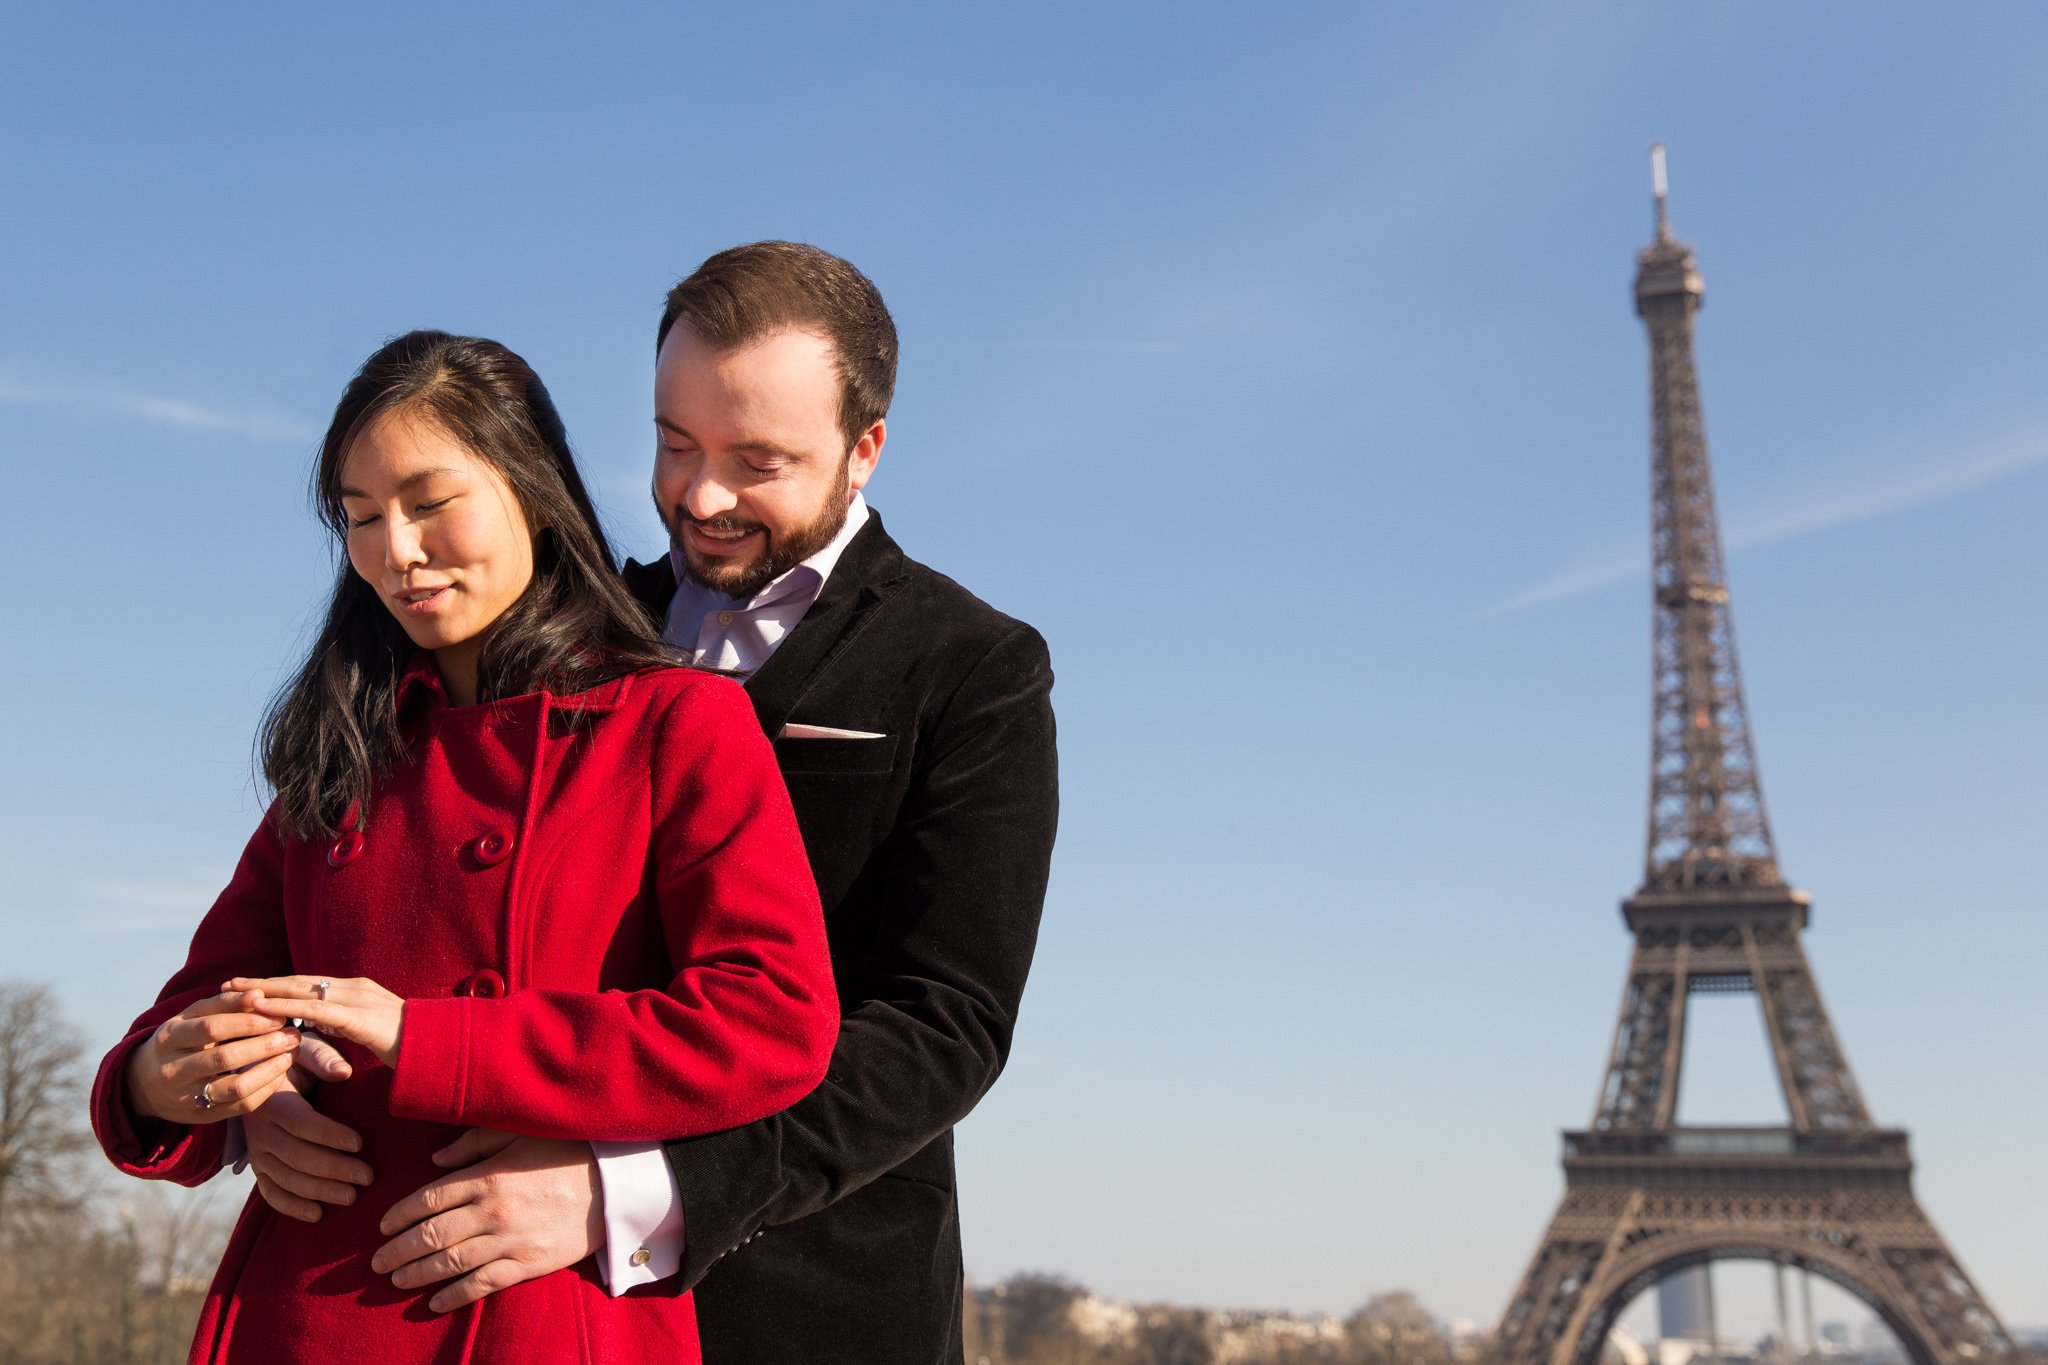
(641, 1257)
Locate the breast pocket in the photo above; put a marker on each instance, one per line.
(841, 757)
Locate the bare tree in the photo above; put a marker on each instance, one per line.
(1395, 1329)
(1174, 1336)
(42, 1106)
(75, 1284)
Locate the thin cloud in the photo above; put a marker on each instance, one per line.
(101, 399)
(1900, 491)
(161, 905)
(1111, 347)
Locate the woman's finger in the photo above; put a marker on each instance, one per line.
(332, 1017)
(233, 1096)
(285, 1202)
(187, 1034)
(247, 1051)
(348, 988)
(190, 1070)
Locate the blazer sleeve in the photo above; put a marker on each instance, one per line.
(743, 1028)
(243, 934)
(930, 1006)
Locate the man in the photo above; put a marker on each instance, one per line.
(914, 728)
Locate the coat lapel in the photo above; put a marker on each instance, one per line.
(868, 570)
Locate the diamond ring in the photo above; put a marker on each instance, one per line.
(320, 988)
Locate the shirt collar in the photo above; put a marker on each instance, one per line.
(807, 577)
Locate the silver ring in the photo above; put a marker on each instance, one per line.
(204, 1099)
(320, 988)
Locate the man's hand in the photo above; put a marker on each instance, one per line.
(527, 1207)
(300, 1156)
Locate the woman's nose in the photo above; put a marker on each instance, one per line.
(404, 546)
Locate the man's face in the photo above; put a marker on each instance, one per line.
(751, 471)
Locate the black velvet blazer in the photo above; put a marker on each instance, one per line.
(830, 1232)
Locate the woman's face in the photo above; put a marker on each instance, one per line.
(440, 536)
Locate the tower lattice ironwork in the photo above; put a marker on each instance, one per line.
(1830, 1192)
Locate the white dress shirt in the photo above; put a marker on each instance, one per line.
(643, 1207)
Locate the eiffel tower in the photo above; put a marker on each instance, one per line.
(1830, 1193)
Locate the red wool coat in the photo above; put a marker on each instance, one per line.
(600, 913)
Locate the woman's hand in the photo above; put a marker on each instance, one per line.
(355, 1008)
(216, 1060)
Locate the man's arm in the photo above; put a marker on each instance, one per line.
(930, 1004)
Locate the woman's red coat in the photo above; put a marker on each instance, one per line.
(646, 960)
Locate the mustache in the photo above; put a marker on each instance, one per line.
(678, 518)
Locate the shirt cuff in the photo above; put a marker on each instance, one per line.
(643, 1215)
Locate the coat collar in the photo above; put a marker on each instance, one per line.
(871, 567)
(421, 682)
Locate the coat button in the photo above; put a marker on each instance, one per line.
(486, 984)
(346, 849)
(492, 845)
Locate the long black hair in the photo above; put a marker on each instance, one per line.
(336, 727)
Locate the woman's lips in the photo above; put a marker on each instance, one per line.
(714, 543)
(420, 601)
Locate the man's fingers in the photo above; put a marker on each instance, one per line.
(449, 1192)
(319, 1057)
(285, 1202)
(308, 1158)
(473, 1146)
(271, 1166)
(303, 1121)
(442, 1232)
(459, 1259)
(487, 1279)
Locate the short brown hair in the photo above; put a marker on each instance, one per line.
(745, 292)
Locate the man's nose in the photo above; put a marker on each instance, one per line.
(707, 497)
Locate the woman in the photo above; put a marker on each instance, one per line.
(531, 876)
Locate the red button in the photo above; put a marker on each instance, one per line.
(486, 985)
(493, 846)
(346, 849)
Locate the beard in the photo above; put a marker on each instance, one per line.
(781, 550)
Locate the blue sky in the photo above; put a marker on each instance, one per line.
(1280, 367)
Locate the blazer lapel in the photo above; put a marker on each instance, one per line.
(868, 570)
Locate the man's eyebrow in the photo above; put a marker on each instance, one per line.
(757, 447)
(412, 480)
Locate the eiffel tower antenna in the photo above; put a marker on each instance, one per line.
(1663, 190)
(1646, 1197)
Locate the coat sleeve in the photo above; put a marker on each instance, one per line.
(929, 1007)
(243, 934)
(744, 1026)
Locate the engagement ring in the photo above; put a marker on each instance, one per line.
(320, 988)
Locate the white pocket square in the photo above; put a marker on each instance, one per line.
(795, 731)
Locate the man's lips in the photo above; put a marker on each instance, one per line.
(708, 541)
